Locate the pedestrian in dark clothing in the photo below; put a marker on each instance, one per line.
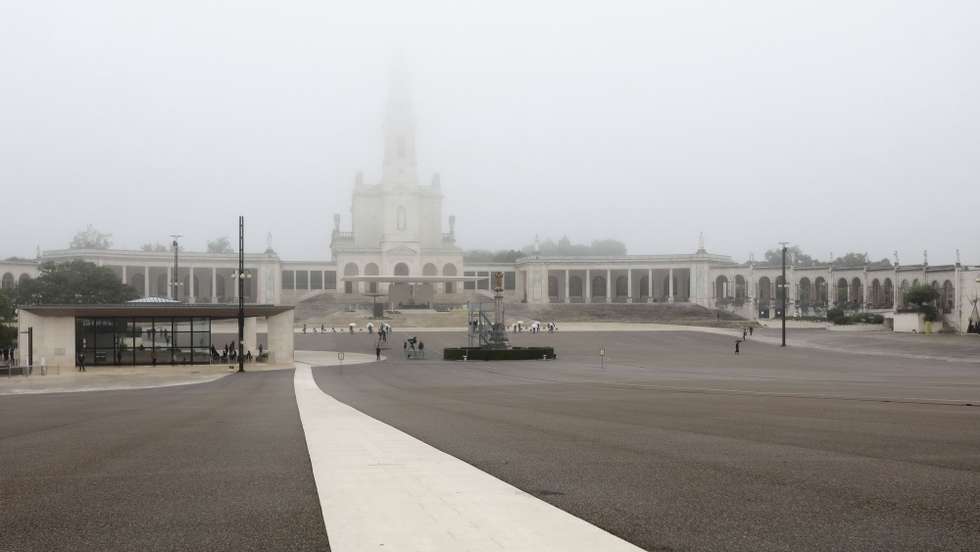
(81, 362)
(745, 333)
(421, 349)
(377, 352)
(750, 330)
(737, 341)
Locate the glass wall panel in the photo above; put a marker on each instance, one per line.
(288, 281)
(316, 280)
(330, 279)
(302, 279)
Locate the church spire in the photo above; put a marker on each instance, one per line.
(399, 155)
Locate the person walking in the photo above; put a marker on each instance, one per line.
(750, 329)
(421, 349)
(81, 361)
(377, 352)
(737, 342)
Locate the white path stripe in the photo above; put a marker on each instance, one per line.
(381, 489)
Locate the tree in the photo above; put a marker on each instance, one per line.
(90, 238)
(8, 332)
(75, 282)
(154, 247)
(923, 298)
(220, 245)
(564, 247)
(794, 257)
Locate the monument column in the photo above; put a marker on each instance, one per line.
(214, 284)
(567, 298)
(588, 286)
(609, 288)
(670, 285)
(649, 285)
(629, 285)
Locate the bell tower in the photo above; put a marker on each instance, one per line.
(399, 168)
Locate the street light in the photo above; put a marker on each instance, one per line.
(176, 282)
(785, 287)
(241, 276)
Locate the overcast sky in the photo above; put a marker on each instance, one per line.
(834, 125)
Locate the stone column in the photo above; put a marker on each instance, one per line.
(214, 285)
(588, 286)
(170, 282)
(146, 281)
(670, 285)
(124, 280)
(190, 284)
(567, 298)
(649, 285)
(609, 288)
(629, 285)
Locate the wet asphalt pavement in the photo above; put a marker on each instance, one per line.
(213, 466)
(680, 445)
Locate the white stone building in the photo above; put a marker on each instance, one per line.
(397, 250)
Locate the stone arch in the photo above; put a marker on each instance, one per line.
(842, 291)
(888, 289)
(874, 294)
(575, 288)
(765, 290)
(430, 270)
(401, 269)
(805, 294)
(350, 269)
(371, 269)
(7, 282)
(741, 288)
(857, 292)
(599, 286)
(721, 287)
(947, 297)
(622, 286)
(24, 278)
(781, 292)
(449, 269)
(820, 290)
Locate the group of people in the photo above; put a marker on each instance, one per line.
(534, 327)
(746, 332)
(229, 353)
(7, 355)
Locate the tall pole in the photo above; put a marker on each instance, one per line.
(241, 293)
(785, 289)
(175, 283)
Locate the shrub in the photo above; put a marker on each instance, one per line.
(836, 315)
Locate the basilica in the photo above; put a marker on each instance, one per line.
(398, 247)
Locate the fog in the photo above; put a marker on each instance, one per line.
(837, 126)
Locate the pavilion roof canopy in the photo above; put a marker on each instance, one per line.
(138, 310)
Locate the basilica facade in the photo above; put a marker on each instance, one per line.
(398, 247)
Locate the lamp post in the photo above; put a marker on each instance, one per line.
(785, 287)
(176, 283)
(241, 276)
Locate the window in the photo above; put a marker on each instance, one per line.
(484, 281)
(288, 279)
(316, 279)
(302, 279)
(330, 279)
(469, 284)
(510, 280)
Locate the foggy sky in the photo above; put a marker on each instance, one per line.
(836, 126)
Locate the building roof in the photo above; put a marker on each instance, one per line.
(139, 310)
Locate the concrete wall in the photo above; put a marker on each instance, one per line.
(281, 337)
(54, 340)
